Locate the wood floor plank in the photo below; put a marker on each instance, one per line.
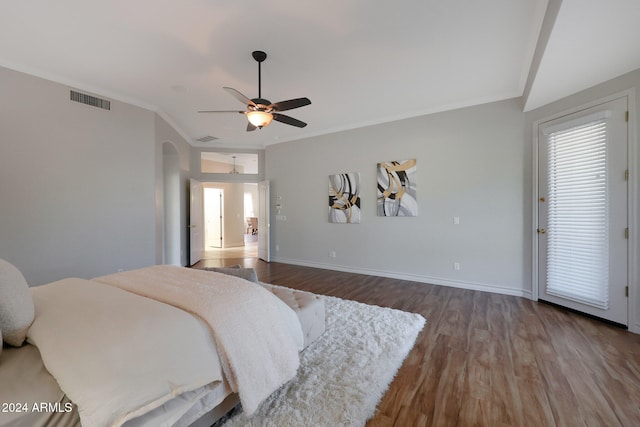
(536, 410)
(491, 360)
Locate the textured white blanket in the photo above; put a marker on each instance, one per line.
(257, 335)
(118, 355)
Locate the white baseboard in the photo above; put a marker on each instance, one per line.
(483, 287)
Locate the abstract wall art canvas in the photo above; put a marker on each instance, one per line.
(397, 188)
(344, 198)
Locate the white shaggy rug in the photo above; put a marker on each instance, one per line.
(344, 373)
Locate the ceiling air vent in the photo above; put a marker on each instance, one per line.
(90, 100)
(207, 138)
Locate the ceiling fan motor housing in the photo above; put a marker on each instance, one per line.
(261, 104)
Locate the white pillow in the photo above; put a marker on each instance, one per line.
(16, 305)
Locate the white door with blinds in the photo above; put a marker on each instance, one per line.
(582, 211)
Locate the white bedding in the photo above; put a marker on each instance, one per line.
(118, 355)
(257, 335)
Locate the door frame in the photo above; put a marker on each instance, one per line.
(632, 200)
(264, 221)
(196, 221)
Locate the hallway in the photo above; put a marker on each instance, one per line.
(245, 256)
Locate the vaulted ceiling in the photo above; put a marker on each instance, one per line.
(360, 62)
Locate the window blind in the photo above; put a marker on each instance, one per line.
(578, 215)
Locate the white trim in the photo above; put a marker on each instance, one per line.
(111, 95)
(75, 84)
(482, 287)
(633, 322)
(164, 116)
(534, 217)
(632, 206)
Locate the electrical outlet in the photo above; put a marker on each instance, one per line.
(456, 266)
(332, 254)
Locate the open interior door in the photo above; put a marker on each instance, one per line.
(213, 199)
(264, 223)
(196, 221)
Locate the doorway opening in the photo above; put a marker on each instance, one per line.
(230, 224)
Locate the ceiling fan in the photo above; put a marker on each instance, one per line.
(260, 111)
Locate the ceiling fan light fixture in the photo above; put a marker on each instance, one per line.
(259, 119)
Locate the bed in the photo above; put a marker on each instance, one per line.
(146, 348)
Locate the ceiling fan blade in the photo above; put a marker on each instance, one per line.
(222, 111)
(288, 120)
(290, 104)
(250, 127)
(240, 97)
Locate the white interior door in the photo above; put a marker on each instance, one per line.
(196, 222)
(264, 234)
(582, 211)
(213, 198)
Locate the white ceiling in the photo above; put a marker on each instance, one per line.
(592, 41)
(359, 62)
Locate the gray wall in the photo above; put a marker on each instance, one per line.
(77, 183)
(471, 163)
(475, 163)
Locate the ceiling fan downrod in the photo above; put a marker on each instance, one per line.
(259, 56)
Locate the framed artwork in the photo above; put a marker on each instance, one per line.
(397, 188)
(344, 198)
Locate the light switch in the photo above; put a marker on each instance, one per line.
(456, 220)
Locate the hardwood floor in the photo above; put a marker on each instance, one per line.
(246, 255)
(491, 360)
